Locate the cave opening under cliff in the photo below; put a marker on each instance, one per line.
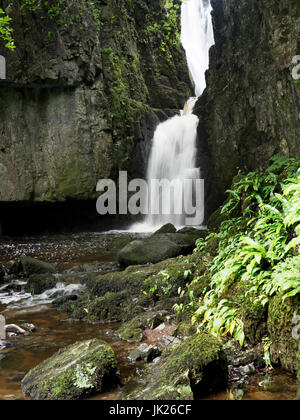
(23, 218)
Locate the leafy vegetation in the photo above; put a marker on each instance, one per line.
(6, 30)
(255, 250)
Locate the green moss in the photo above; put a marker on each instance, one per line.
(194, 354)
(194, 368)
(133, 330)
(185, 329)
(132, 335)
(73, 373)
(284, 347)
(212, 245)
(39, 283)
(71, 182)
(118, 243)
(29, 265)
(109, 308)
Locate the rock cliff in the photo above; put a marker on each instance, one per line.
(250, 109)
(86, 86)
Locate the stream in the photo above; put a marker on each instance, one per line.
(54, 331)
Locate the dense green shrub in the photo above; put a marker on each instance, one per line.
(257, 248)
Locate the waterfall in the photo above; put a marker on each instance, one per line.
(173, 157)
(173, 153)
(197, 37)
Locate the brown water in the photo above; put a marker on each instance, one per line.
(54, 331)
(275, 385)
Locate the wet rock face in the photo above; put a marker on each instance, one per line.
(249, 111)
(84, 93)
(73, 373)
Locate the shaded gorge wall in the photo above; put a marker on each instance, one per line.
(86, 86)
(250, 109)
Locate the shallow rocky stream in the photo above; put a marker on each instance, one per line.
(54, 331)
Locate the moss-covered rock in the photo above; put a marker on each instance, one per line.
(33, 266)
(73, 373)
(119, 243)
(212, 246)
(193, 233)
(168, 228)
(133, 331)
(194, 368)
(132, 335)
(39, 283)
(120, 296)
(150, 250)
(13, 267)
(185, 329)
(109, 308)
(285, 347)
(157, 248)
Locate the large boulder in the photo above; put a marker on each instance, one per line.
(118, 243)
(39, 283)
(73, 373)
(157, 247)
(33, 266)
(194, 368)
(151, 250)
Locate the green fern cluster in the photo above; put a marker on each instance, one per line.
(6, 30)
(263, 253)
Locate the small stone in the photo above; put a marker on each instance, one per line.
(160, 327)
(14, 330)
(248, 369)
(28, 327)
(145, 352)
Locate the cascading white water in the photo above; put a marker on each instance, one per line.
(172, 157)
(197, 37)
(173, 153)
